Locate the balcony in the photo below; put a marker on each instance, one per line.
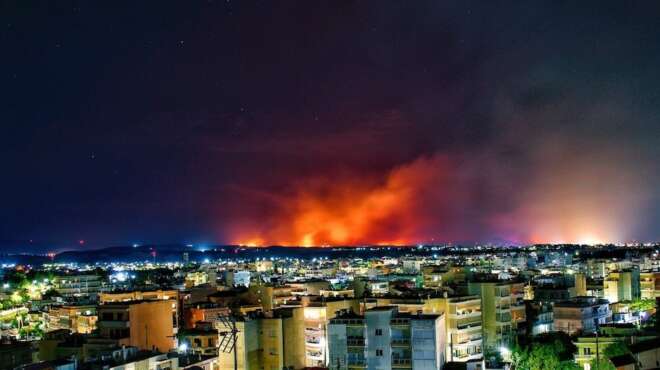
(355, 342)
(400, 342)
(401, 362)
(315, 355)
(465, 315)
(518, 304)
(468, 327)
(357, 363)
(468, 341)
(462, 357)
(115, 324)
(313, 341)
(399, 322)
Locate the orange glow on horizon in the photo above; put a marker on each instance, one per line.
(430, 201)
(350, 212)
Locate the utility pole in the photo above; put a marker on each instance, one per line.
(597, 354)
(451, 346)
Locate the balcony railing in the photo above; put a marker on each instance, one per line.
(113, 324)
(465, 315)
(355, 342)
(472, 325)
(467, 356)
(400, 341)
(401, 362)
(313, 341)
(357, 362)
(467, 341)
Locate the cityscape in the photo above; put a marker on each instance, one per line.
(418, 307)
(329, 185)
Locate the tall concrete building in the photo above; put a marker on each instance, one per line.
(649, 284)
(77, 319)
(622, 285)
(502, 310)
(171, 296)
(580, 284)
(462, 318)
(271, 342)
(78, 285)
(146, 325)
(385, 339)
(317, 315)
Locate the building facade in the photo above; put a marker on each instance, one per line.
(383, 338)
(581, 314)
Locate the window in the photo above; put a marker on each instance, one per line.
(587, 351)
(379, 352)
(379, 332)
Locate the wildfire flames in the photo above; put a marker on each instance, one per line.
(433, 200)
(350, 212)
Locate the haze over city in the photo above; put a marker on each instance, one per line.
(334, 123)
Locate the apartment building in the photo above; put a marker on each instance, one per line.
(271, 296)
(502, 310)
(622, 285)
(200, 340)
(146, 325)
(462, 320)
(172, 296)
(76, 319)
(78, 285)
(203, 312)
(581, 314)
(130, 358)
(272, 342)
(317, 315)
(195, 278)
(580, 283)
(383, 338)
(649, 284)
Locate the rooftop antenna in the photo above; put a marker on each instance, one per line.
(228, 337)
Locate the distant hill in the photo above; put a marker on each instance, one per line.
(174, 252)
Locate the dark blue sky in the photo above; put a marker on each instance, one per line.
(173, 121)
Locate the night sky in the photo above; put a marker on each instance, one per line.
(328, 122)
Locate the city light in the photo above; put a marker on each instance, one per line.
(330, 185)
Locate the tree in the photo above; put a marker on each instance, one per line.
(544, 353)
(50, 294)
(604, 363)
(642, 305)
